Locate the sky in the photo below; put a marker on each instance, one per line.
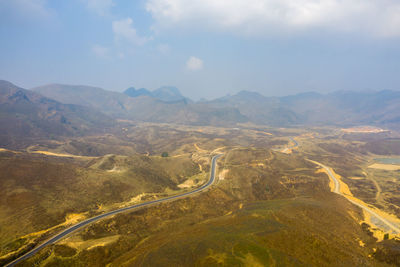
(206, 48)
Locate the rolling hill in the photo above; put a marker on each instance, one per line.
(380, 108)
(26, 115)
(258, 108)
(111, 103)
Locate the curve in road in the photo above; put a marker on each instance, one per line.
(111, 213)
(295, 143)
(289, 148)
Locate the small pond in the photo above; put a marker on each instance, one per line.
(388, 160)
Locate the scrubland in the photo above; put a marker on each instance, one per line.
(270, 208)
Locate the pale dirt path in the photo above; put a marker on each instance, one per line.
(290, 146)
(378, 188)
(199, 149)
(55, 154)
(7, 150)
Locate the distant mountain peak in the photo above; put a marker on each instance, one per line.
(4, 83)
(164, 93)
(249, 94)
(168, 94)
(132, 92)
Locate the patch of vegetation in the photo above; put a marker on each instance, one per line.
(384, 147)
(14, 245)
(64, 251)
(388, 251)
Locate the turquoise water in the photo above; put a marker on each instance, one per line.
(388, 160)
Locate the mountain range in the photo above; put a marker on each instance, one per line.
(165, 104)
(165, 93)
(57, 109)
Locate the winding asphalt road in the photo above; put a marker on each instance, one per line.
(336, 190)
(295, 143)
(285, 150)
(111, 213)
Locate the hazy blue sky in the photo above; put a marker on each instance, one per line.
(207, 48)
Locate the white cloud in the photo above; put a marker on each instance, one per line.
(100, 51)
(25, 9)
(258, 17)
(163, 48)
(124, 30)
(121, 55)
(194, 64)
(101, 7)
